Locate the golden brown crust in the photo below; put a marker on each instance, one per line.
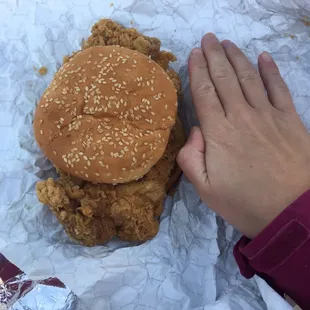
(86, 209)
(107, 115)
(107, 32)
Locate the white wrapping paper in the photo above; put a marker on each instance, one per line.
(189, 264)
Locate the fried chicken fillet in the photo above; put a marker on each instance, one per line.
(93, 214)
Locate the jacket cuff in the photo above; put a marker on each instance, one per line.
(278, 242)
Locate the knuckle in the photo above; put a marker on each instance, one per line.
(201, 66)
(247, 76)
(204, 89)
(274, 73)
(244, 115)
(281, 86)
(183, 157)
(277, 81)
(223, 73)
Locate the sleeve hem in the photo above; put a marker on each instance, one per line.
(282, 238)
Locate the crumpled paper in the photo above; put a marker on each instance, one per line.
(189, 264)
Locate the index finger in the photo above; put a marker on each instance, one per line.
(208, 106)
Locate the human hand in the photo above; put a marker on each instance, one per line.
(251, 157)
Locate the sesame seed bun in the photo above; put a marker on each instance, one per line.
(107, 115)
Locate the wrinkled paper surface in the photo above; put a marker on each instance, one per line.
(189, 264)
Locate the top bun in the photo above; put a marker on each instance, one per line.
(107, 115)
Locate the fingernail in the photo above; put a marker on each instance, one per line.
(210, 36)
(196, 51)
(267, 57)
(227, 43)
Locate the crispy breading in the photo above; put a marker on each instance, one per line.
(93, 213)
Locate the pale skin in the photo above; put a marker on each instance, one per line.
(250, 158)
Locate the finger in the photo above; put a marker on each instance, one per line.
(222, 74)
(278, 92)
(250, 81)
(206, 101)
(191, 159)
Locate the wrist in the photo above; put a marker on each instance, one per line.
(272, 212)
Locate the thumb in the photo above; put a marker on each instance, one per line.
(191, 159)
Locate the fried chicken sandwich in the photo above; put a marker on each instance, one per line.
(108, 122)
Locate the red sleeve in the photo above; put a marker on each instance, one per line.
(281, 252)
